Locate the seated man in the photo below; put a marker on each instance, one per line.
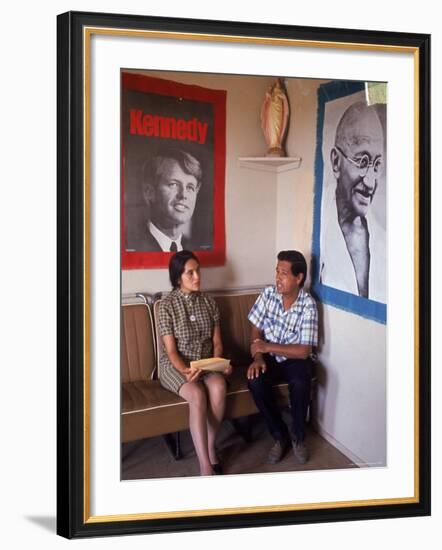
(284, 331)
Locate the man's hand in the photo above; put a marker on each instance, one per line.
(258, 346)
(192, 374)
(255, 369)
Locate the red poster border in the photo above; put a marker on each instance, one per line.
(216, 256)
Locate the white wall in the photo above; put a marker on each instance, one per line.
(351, 398)
(250, 195)
(27, 461)
(301, 141)
(351, 401)
(265, 212)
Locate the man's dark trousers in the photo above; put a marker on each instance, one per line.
(298, 375)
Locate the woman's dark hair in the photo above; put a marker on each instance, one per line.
(177, 264)
(297, 261)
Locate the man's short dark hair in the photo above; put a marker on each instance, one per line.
(155, 166)
(297, 261)
(177, 264)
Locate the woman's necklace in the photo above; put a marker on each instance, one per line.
(189, 306)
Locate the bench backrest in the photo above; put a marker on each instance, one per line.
(235, 328)
(137, 343)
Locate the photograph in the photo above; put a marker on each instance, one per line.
(240, 206)
(257, 415)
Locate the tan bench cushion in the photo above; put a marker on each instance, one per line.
(149, 410)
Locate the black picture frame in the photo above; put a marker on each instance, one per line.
(73, 252)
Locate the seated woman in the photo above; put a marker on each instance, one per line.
(189, 326)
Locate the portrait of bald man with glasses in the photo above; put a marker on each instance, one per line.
(353, 243)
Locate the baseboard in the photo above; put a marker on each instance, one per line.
(330, 439)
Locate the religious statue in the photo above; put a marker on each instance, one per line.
(274, 118)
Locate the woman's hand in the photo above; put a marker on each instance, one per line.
(192, 374)
(228, 370)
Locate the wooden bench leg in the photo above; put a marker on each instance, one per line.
(173, 443)
(134, 446)
(243, 428)
(314, 383)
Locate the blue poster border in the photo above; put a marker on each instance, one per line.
(364, 307)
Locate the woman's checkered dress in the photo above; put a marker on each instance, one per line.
(190, 319)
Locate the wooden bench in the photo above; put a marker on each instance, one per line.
(149, 410)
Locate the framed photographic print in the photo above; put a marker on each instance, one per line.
(233, 142)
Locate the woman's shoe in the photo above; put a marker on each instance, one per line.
(217, 469)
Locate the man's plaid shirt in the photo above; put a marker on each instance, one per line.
(297, 325)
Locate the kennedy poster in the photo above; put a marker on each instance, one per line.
(173, 170)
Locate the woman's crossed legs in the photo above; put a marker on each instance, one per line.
(206, 400)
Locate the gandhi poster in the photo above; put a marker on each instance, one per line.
(173, 157)
(350, 226)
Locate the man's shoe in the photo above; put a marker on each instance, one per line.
(277, 452)
(300, 452)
